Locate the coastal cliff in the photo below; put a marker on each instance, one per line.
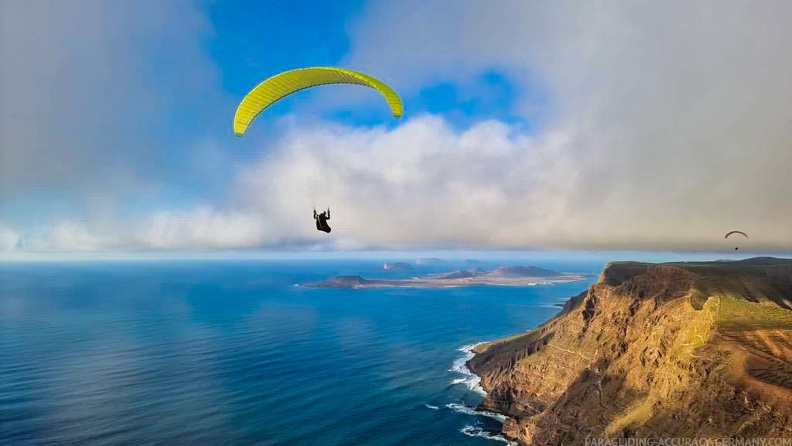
(652, 350)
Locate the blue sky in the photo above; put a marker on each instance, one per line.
(254, 40)
(527, 125)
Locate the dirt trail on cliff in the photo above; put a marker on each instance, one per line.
(698, 349)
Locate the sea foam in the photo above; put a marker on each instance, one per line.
(471, 380)
(472, 431)
(460, 408)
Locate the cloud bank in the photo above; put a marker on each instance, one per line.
(669, 124)
(675, 116)
(92, 92)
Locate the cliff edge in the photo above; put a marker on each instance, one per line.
(698, 349)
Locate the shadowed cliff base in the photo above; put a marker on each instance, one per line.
(694, 349)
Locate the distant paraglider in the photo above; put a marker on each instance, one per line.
(735, 232)
(281, 85)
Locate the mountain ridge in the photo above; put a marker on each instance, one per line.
(697, 349)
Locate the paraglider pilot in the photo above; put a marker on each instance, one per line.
(321, 220)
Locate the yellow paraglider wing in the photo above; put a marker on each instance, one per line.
(288, 82)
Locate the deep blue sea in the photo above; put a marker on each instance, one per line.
(232, 352)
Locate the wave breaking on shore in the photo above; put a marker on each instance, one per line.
(473, 382)
(469, 379)
(468, 410)
(473, 431)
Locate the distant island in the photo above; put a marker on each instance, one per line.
(524, 271)
(429, 261)
(397, 266)
(503, 276)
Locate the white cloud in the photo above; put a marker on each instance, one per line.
(193, 229)
(668, 124)
(419, 184)
(676, 114)
(200, 228)
(63, 236)
(424, 184)
(72, 236)
(9, 238)
(90, 90)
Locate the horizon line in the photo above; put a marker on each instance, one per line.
(379, 254)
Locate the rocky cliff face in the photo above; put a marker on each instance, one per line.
(653, 350)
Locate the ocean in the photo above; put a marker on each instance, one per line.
(227, 352)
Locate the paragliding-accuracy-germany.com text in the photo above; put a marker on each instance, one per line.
(678, 441)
